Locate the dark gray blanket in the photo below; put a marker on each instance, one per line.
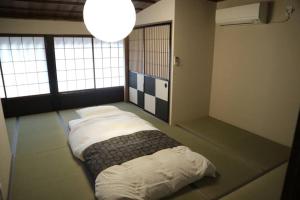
(118, 150)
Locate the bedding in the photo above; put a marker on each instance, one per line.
(130, 159)
(96, 110)
(124, 148)
(154, 176)
(89, 130)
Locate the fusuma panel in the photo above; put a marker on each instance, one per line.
(136, 50)
(157, 51)
(149, 69)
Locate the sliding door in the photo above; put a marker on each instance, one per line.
(149, 69)
(42, 73)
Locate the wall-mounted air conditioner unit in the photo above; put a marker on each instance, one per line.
(247, 14)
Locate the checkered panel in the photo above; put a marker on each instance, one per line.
(149, 93)
(140, 82)
(133, 95)
(133, 80)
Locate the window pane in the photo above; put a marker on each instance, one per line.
(114, 52)
(4, 43)
(109, 63)
(24, 67)
(16, 43)
(7, 68)
(59, 43)
(69, 53)
(29, 55)
(39, 43)
(69, 43)
(78, 43)
(5, 55)
(41, 66)
(97, 43)
(78, 53)
(28, 43)
(40, 54)
(106, 52)
(74, 63)
(17, 55)
(11, 91)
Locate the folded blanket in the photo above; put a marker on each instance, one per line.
(118, 150)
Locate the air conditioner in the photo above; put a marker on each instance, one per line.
(246, 14)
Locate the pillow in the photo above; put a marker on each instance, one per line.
(96, 110)
(154, 176)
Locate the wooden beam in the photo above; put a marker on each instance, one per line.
(81, 3)
(146, 1)
(40, 17)
(59, 2)
(28, 10)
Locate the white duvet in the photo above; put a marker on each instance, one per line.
(97, 128)
(148, 177)
(154, 176)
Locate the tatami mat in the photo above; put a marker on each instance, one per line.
(248, 147)
(267, 187)
(39, 133)
(68, 115)
(46, 169)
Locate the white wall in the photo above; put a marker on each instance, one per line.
(193, 44)
(5, 155)
(25, 26)
(164, 10)
(256, 75)
(193, 35)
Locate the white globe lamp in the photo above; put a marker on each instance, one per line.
(109, 20)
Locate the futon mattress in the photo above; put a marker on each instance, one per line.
(131, 159)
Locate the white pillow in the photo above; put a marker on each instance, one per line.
(154, 176)
(96, 110)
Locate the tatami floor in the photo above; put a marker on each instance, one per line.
(44, 167)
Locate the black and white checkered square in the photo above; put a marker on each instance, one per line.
(149, 93)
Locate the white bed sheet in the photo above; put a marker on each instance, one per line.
(97, 128)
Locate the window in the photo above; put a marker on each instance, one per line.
(81, 63)
(74, 63)
(24, 66)
(109, 63)
(87, 63)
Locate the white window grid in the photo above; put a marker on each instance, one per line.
(87, 63)
(24, 66)
(109, 63)
(74, 63)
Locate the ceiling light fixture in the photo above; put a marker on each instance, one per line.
(109, 20)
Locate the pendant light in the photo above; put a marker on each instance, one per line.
(109, 20)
